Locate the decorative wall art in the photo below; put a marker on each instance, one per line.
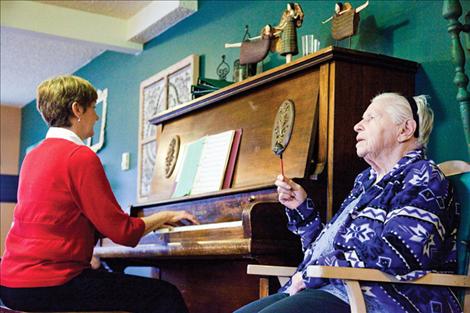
(149, 156)
(179, 86)
(163, 91)
(102, 102)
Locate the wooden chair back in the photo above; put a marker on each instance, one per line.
(458, 172)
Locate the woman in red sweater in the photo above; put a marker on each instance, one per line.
(64, 201)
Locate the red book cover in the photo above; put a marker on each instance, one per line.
(232, 159)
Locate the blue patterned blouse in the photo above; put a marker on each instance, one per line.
(404, 225)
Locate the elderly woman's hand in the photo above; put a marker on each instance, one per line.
(297, 284)
(95, 262)
(290, 193)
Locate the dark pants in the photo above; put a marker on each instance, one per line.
(305, 301)
(99, 291)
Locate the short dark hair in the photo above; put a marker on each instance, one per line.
(55, 97)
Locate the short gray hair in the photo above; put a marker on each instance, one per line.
(400, 110)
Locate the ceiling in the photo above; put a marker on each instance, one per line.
(119, 9)
(41, 39)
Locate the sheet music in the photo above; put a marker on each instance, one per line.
(179, 165)
(211, 170)
(189, 167)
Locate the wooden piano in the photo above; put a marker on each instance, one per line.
(244, 224)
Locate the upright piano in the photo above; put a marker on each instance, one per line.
(244, 224)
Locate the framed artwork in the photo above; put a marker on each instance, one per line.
(153, 103)
(179, 86)
(163, 91)
(149, 156)
(97, 141)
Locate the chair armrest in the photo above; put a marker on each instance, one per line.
(270, 270)
(367, 274)
(283, 274)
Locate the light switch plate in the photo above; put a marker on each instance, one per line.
(125, 158)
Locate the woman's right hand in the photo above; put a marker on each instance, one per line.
(176, 218)
(290, 193)
(171, 218)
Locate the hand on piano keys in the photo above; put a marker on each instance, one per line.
(201, 234)
(165, 218)
(180, 218)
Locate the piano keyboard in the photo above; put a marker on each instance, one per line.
(207, 227)
(192, 233)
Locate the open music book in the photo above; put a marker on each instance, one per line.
(204, 163)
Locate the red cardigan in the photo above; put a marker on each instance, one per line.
(64, 199)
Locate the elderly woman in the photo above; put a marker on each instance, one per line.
(398, 218)
(65, 202)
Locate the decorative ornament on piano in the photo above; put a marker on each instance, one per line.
(251, 52)
(281, 38)
(345, 20)
(291, 19)
(223, 69)
(205, 86)
(282, 130)
(172, 155)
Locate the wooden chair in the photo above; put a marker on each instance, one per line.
(283, 273)
(459, 174)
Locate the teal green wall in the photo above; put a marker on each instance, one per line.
(413, 30)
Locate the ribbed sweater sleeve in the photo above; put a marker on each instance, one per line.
(92, 192)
